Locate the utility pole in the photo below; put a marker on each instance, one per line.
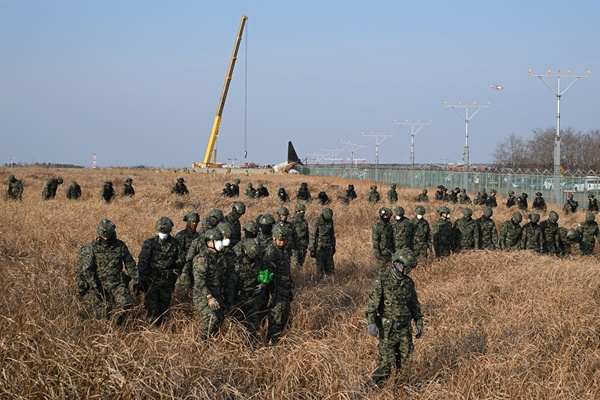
(558, 93)
(379, 138)
(412, 136)
(354, 147)
(467, 118)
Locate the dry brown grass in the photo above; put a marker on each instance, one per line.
(497, 325)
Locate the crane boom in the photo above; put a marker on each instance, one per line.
(214, 134)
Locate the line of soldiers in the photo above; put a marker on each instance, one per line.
(248, 278)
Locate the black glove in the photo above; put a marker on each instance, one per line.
(419, 331)
(259, 289)
(313, 254)
(137, 289)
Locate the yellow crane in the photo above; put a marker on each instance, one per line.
(214, 134)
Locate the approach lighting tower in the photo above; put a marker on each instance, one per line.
(412, 136)
(379, 138)
(558, 93)
(354, 147)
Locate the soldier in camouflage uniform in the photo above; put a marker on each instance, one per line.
(422, 197)
(570, 205)
(283, 196)
(551, 236)
(102, 281)
(108, 192)
(373, 196)
(510, 233)
(382, 238)
(280, 289)
(532, 237)
(179, 188)
(261, 191)
(443, 234)
(186, 281)
(592, 203)
(350, 193)
(233, 218)
(303, 193)
(208, 296)
(522, 201)
(403, 230)
(265, 234)
(466, 232)
(227, 257)
(160, 263)
(539, 203)
(321, 243)
(49, 191)
(250, 191)
(463, 197)
(128, 190)
(74, 191)
(235, 187)
(15, 188)
(488, 233)
(512, 200)
(481, 198)
(421, 235)
(190, 233)
(323, 199)
(283, 214)
(300, 225)
(492, 201)
(453, 196)
(568, 239)
(439, 194)
(392, 305)
(588, 231)
(392, 194)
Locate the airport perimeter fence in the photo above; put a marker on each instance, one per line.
(578, 183)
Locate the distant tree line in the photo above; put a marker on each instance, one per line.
(42, 165)
(579, 150)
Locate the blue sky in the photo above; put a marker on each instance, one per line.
(138, 82)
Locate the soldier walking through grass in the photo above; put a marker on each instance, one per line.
(421, 235)
(15, 188)
(382, 239)
(49, 191)
(322, 242)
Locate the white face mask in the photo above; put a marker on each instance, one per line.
(162, 236)
(419, 216)
(226, 242)
(448, 216)
(398, 218)
(218, 245)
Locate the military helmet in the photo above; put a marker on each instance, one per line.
(424, 191)
(225, 229)
(213, 234)
(251, 248)
(327, 213)
(216, 214)
(283, 211)
(280, 232)
(524, 195)
(385, 212)
(441, 187)
(535, 218)
(405, 257)
(420, 210)
(444, 209)
(249, 184)
(208, 223)
(59, 181)
(393, 186)
(11, 178)
(351, 186)
(517, 217)
(266, 219)
(591, 196)
(304, 184)
(373, 187)
(180, 180)
(457, 189)
(399, 211)
(572, 234)
(511, 192)
(300, 207)
(236, 181)
(322, 195)
(590, 217)
(239, 207)
(106, 228)
(467, 212)
(487, 211)
(464, 190)
(228, 185)
(129, 180)
(192, 216)
(164, 225)
(109, 183)
(553, 216)
(539, 194)
(260, 186)
(570, 197)
(482, 190)
(493, 191)
(251, 227)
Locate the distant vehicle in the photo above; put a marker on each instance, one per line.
(591, 183)
(497, 87)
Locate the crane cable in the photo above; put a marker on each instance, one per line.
(246, 97)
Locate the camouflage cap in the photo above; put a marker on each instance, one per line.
(517, 217)
(327, 213)
(280, 232)
(192, 216)
(487, 211)
(300, 207)
(106, 228)
(283, 211)
(250, 247)
(399, 211)
(164, 225)
(251, 227)
(553, 216)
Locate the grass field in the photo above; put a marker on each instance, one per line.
(497, 325)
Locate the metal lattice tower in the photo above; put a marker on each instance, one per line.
(412, 136)
(379, 138)
(354, 147)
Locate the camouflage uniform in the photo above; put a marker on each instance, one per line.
(350, 193)
(101, 279)
(568, 238)
(539, 203)
(511, 201)
(439, 194)
(532, 237)
(128, 190)
(421, 235)
(522, 201)
(250, 191)
(588, 231)
(187, 235)
(227, 258)
(422, 197)
(392, 304)
(301, 228)
(488, 233)
(159, 263)
(233, 218)
(570, 205)
(463, 197)
(261, 191)
(492, 201)
(443, 234)
(235, 187)
(208, 286)
(382, 238)
(108, 192)
(15, 188)
(403, 230)
(592, 203)
(453, 196)
(551, 236)
(281, 287)
(321, 242)
(466, 232)
(323, 199)
(186, 281)
(303, 193)
(265, 234)
(283, 196)
(291, 243)
(373, 196)
(49, 191)
(510, 233)
(179, 188)
(481, 198)
(74, 191)
(392, 194)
